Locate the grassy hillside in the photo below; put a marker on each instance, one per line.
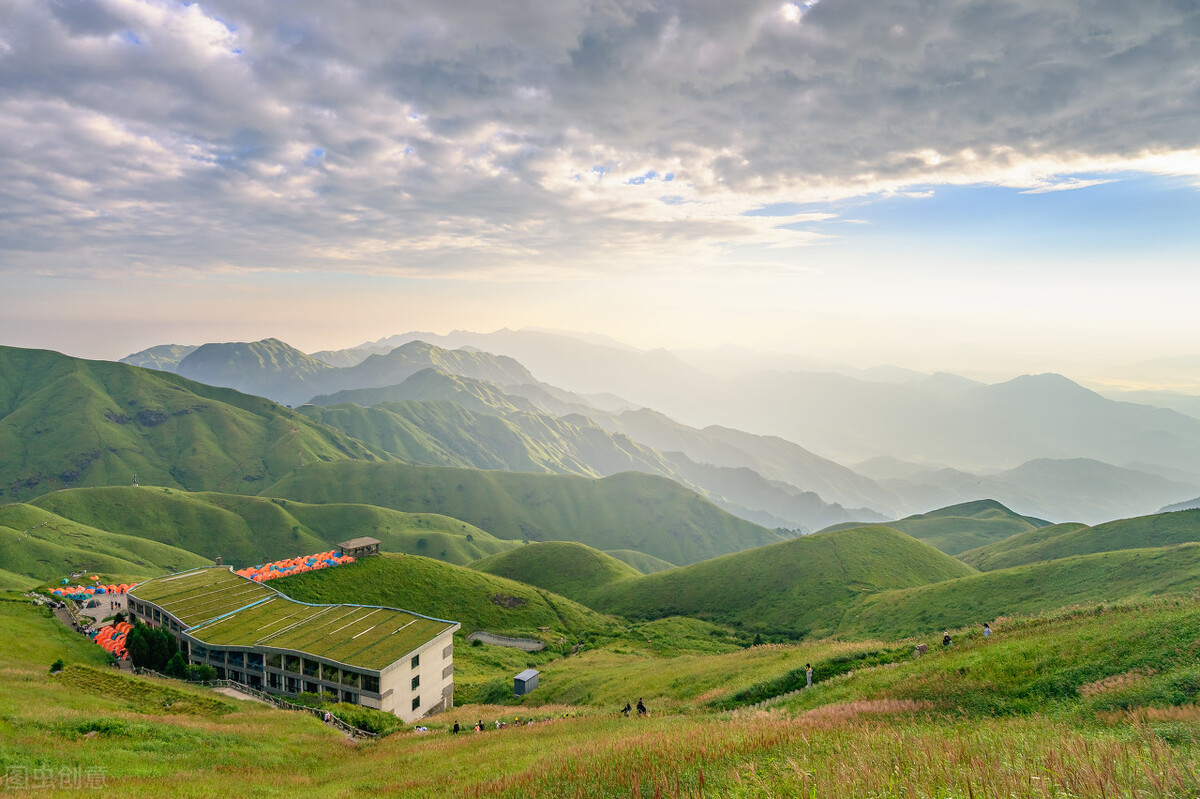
(67, 422)
(443, 433)
(476, 600)
(626, 511)
(957, 528)
(1037, 588)
(40, 547)
(247, 530)
(1116, 690)
(575, 571)
(1064, 540)
(796, 588)
(646, 564)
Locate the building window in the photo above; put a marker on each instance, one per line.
(293, 685)
(416, 682)
(416, 702)
(370, 683)
(275, 661)
(349, 698)
(291, 663)
(350, 678)
(273, 680)
(310, 668)
(416, 661)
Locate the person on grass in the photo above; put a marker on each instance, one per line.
(808, 674)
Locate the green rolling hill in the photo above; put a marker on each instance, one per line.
(797, 588)
(646, 564)
(957, 528)
(476, 600)
(625, 511)
(1036, 588)
(245, 531)
(37, 546)
(575, 571)
(67, 422)
(1064, 540)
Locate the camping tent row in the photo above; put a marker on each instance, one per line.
(282, 568)
(112, 638)
(85, 592)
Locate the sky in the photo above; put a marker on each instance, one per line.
(937, 184)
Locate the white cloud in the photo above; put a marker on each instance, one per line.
(452, 137)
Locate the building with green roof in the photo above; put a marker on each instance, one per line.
(379, 657)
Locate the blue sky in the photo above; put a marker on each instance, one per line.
(231, 170)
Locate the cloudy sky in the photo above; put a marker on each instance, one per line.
(933, 183)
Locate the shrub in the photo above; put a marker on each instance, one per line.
(57, 666)
(200, 672)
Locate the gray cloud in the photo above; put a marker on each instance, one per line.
(432, 138)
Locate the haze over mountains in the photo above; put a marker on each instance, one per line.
(547, 401)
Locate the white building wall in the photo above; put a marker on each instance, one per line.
(435, 672)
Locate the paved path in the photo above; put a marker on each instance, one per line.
(525, 644)
(234, 693)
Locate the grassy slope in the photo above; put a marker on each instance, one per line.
(476, 600)
(646, 564)
(1101, 577)
(957, 528)
(626, 511)
(1064, 540)
(68, 422)
(42, 547)
(249, 530)
(1092, 659)
(864, 735)
(575, 571)
(796, 587)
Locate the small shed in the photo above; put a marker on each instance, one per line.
(525, 682)
(359, 547)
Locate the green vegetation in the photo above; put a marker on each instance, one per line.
(625, 511)
(575, 571)
(1098, 702)
(1064, 540)
(70, 422)
(476, 600)
(37, 546)
(1037, 588)
(646, 564)
(246, 531)
(796, 588)
(957, 528)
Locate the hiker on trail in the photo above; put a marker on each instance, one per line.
(626, 709)
(808, 674)
(946, 639)
(327, 717)
(456, 728)
(987, 631)
(641, 708)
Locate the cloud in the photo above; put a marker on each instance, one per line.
(442, 139)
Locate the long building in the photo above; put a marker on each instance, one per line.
(383, 658)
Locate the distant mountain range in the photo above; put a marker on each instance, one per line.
(1041, 444)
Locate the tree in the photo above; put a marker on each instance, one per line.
(176, 667)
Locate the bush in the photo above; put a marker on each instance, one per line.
(200, 673)
(366, 718)
(309, 699)
(57, 666)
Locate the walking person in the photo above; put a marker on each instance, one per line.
(987, 631)
(808, 674)
(626, 709)
(641, 708)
